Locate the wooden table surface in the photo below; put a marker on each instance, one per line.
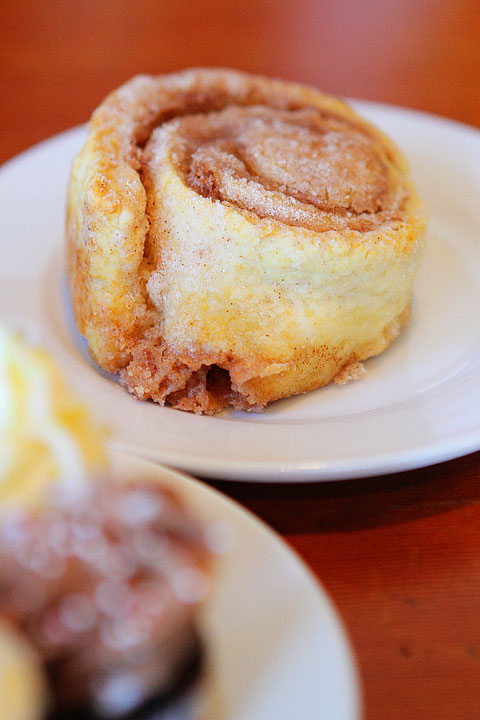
(400, 554)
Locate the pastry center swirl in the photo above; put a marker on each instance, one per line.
(301, 167)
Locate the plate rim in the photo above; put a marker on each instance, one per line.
(309, 472)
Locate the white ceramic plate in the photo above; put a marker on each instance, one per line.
(417, 404)
(275, 645)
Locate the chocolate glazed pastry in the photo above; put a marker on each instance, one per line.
(233, 240)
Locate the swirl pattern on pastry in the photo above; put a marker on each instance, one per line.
(233, 239)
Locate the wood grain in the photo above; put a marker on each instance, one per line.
(400, 555)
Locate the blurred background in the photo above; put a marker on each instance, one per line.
(59, 58)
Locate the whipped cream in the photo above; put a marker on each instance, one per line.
(45, 434)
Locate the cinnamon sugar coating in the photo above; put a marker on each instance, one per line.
(297, 167)
(234, 239)
(106, 589)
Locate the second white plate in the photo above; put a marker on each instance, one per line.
(417, 404)
(275, 646)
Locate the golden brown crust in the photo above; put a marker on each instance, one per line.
(233, 239)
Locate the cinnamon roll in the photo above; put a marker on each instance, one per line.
(106, 590)
(102, 576)
(233, 240)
